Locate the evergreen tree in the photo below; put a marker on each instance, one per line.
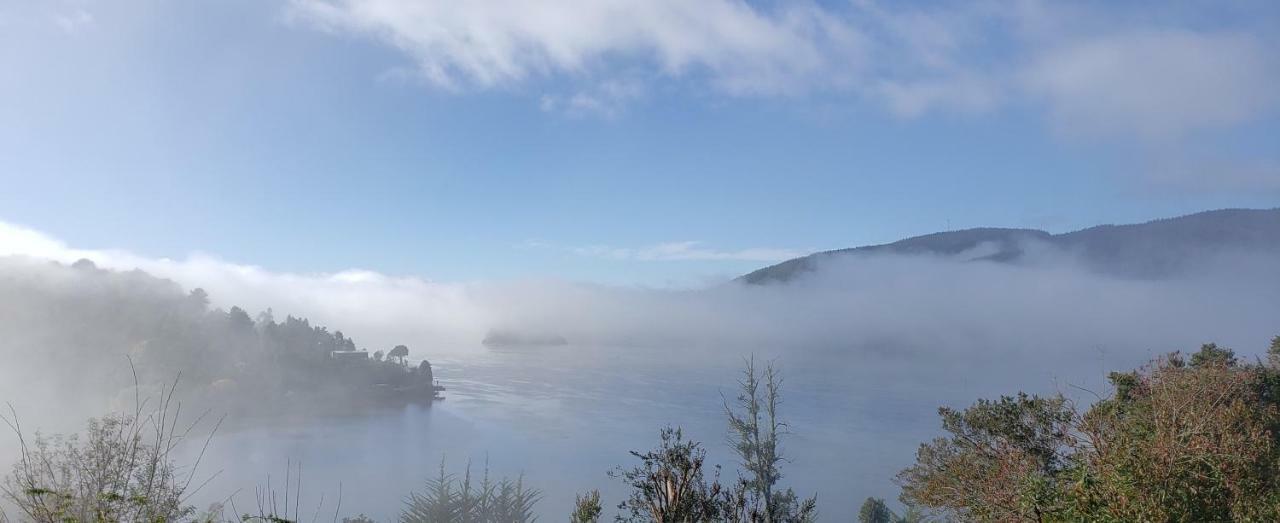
(874, 510)
(586, 508)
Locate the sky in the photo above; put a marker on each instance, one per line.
(653, 143)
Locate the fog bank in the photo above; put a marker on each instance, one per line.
(871, 344)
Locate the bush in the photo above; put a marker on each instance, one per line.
(1174, 442)
(450, 499)
(120, 470)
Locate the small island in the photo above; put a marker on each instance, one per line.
(510, 338)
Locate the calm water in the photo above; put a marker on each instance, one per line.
(565, 415)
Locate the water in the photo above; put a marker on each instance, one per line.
(564, 416)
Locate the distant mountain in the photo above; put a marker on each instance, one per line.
(1155, 249)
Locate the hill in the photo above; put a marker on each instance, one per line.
(1155, 249)
(71, 333)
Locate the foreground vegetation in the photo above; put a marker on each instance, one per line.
(1182, 439)
(122, 470)
(1185, 438)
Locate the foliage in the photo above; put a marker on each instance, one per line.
(756, 430)
(399, 352)
(1174, 442)
(874, 510)
(236, 362)
(1212, 355)
(1000, 462)
(450, 499)
(121, 470)
(669, 485)
(586, 509)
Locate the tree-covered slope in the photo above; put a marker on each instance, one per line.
(76, 332)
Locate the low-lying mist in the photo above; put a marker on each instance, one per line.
(870, 345)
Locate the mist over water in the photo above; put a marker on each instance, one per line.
(869, 347)
(564, 423)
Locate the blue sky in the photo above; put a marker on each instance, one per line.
(653, 143)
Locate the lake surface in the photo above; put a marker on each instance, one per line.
(564, 416)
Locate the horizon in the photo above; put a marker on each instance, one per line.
(17, 240)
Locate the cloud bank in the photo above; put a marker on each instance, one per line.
(900, 304)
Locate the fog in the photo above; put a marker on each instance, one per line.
(871, 345)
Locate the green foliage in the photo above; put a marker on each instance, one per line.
(1000, 462)
(235, 363)
(586, 509)
(669, 485)
(1175, 442)
(756, 431)
(399, 352)
(1211, 354)
(448, 498)
(874, 511)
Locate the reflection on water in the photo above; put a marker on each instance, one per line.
(564, 416)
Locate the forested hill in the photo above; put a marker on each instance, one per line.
(72, 332)
(1154, 249)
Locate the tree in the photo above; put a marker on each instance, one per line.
(755, 431)
(450, 499)
(1173, 442)
(1211, 354)
(1184, 444)
(1000, 462)
(669, 485)
(377, 355)
(586, 509)
(399, 353)
(239, 319)
(424, 372)
(198, 297)
(874, 511)
(121, 470)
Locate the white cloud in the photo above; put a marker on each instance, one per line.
(1156, 84)
(739, 48)
(969, 94)
(376, 308)
(383, 308)
(1127, 71)
(605, 100)
(73, 21)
